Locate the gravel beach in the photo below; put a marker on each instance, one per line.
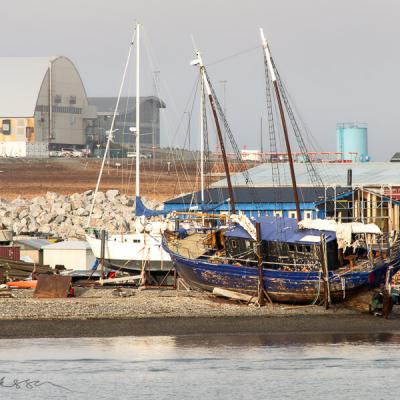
(100, 313)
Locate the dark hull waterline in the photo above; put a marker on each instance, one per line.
(282, 286)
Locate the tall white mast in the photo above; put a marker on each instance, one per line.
(201, 137)
(203, 85)
(110, 132)
(137, 110)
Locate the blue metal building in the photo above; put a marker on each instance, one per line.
(257, 201)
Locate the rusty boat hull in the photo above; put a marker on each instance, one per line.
(282, 286)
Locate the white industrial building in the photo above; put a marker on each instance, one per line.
(43, 104)
(74, 254)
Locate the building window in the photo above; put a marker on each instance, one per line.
(29, 133)
(6, 129)
(292, 214)
(72, 99)
(278, 213)
(234, 244)
(308, 215)
(57, 99)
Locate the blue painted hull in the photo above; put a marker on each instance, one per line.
(282, 286)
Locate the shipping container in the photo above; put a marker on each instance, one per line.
(10, 252)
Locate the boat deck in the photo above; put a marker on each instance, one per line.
(191, 246)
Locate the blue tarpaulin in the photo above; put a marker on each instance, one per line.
(280, 229)
(141, 209)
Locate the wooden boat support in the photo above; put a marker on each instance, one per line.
(325, 273)
(219, 292)
(260, 286)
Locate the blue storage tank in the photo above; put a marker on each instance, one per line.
(352, 138)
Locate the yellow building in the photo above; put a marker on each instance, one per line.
(43, 105)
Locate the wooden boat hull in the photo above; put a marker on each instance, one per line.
(282, 286)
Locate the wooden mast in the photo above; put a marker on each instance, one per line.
(219, 133)
(284, 126)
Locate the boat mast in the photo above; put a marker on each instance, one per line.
(219, 133)
(284, 126)
(137, 110)
(110, 132)
(201, 138)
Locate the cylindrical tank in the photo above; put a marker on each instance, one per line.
(352, 138)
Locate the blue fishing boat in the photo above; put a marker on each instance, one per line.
(285, 260)
(292, 266)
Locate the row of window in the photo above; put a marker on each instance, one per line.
(60, 109)
(279, 213)
(58, 99)
(305, 249)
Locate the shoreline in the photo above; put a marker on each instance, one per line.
(269, 326)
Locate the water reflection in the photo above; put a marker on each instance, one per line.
(204, 367)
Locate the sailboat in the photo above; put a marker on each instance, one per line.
(283, 259)
(141, 249)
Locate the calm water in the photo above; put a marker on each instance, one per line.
(232, 367)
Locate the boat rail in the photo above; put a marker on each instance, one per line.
(254, 262)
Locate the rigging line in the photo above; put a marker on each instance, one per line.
(243, 167)
(312, 140)
(132, 42)
(173, 155)
(242, 164)
(313, 174)
(191, 113)
(311, 169)
(240, 53)
(314, 143)
(151, 55)
(130, 82)
(273, 149)
(206, 139)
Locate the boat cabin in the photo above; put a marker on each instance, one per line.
(282, 242)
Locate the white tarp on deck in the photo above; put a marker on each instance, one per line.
(343, 231)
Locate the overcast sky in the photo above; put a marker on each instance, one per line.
(340, 59)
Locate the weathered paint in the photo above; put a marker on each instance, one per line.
(282, 286)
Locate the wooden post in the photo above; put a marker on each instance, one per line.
(102, 250)
(325, 273)
(260, 291)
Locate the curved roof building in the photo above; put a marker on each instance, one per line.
(42, 100)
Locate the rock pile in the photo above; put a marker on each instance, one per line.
(67, 216)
